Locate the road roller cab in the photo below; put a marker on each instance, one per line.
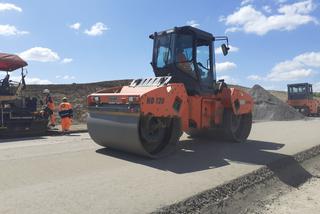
(187, 55)
(148, 116)
(300, 97)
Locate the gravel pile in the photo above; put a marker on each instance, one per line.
(269, 107)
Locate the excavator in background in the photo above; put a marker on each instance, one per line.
(18, 113)
(300, 97)
(148, 116)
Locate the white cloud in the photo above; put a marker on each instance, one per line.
(39, 54)
(37, 81)
(316, 87)
(10, 30)
(65, 77)
(193, 23)
(299, 67)
(277, 75)
(254, 77)
(289, 17)
(244, 2)
(232, 49)
(225, 66)
(96, 29)
(311, 59)
(232, 29)
(267, 9)
(30, 80)
(66, 60)
(75, 26)
(228, 79)
(9, 6)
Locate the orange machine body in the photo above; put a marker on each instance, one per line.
(311, 104)
(172, 100)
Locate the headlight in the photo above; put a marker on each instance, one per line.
(131, 99)
(96, 99)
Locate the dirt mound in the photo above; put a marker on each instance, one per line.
(269, 107)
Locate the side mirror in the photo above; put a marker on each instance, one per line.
(225, 49)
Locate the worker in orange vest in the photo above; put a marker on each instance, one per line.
(66, 114)
(50, 104)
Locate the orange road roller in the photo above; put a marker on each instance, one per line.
(149, 116)
(300, 97)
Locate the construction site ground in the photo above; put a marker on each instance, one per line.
(71, 174)
(275, 197)
(77, 128)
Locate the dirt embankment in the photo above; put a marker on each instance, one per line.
(76, 93)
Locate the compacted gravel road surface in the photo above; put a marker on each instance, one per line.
(71, 174)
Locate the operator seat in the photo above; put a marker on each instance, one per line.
(5, 85)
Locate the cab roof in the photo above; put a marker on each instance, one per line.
(298, 84)
(200, 34)
(11, 62)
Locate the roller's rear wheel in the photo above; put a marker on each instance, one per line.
(156, 133)
(236, 128)
(305, 111)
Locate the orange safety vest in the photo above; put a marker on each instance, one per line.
(65, 110)
(49, 102)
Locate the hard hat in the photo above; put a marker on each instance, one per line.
(46, 91)
(64, 99)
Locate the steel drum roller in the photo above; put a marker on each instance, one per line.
(122, 132)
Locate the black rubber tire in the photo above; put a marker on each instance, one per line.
(236, 128)
(167, 136)
(207, 134)
(226, 132)
(194, 133)
(306, 111)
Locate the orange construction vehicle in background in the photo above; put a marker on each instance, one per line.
(300, 97)
(149, 116)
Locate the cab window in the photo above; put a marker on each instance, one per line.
(203, 62)
(183, 54)
(164, 53)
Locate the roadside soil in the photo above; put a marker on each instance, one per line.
(276, 197)
(304, 199)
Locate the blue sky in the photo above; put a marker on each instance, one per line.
(274, 42)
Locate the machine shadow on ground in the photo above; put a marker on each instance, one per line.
(195, 155)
